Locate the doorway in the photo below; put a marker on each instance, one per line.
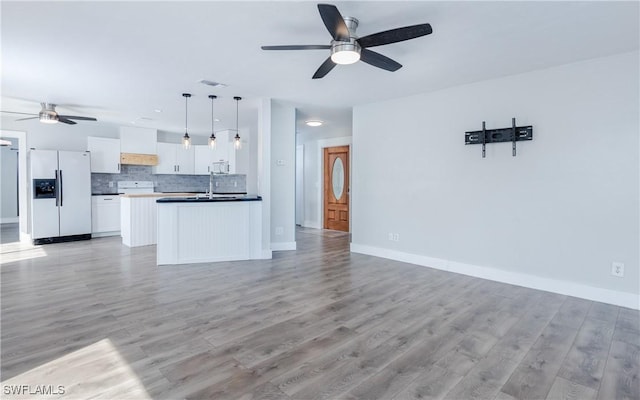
(18, 139)
(336, 188)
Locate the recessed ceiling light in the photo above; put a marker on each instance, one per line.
(216, 120)
(212, 83)
(314, 122)
(157, 110)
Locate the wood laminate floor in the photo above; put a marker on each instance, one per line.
(103, 321)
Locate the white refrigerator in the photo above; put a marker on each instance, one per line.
(60, 196)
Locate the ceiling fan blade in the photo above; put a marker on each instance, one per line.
(24, 119)
(15, 112)
(378, 60)
(77, 117)
(298, 47)
(395, 35)
(334, 22)
(66, 121)
(324, 69)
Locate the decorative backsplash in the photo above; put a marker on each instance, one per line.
(232, 183)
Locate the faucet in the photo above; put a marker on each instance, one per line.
(211, 184)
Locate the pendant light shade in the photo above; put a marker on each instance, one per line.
(236, 140)
(212, 138)
(186, 140)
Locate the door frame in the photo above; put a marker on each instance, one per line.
(24, 219)
(322, 144)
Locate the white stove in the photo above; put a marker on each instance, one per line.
(135, 187)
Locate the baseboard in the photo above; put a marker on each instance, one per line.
(105, 234)
(623, 299)
(267, 254)
(9, 220)
(312, 224)
(25, 237)
(283, 246)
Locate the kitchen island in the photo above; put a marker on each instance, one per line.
(203, 229)
(138, 217)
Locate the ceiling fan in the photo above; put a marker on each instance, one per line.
(48, 115)
(347, 48)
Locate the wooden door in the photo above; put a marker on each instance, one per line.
(336, 188)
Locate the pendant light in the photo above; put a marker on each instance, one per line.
(186, 140)
(236, 139)
(212, 138)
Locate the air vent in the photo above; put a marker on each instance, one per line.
(212, 83)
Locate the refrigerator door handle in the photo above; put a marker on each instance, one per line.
(57, 188)
(60, 188)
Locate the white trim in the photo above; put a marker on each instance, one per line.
(623, 299)
(299, 167)
(9, 220)
(322, 144)
(267, 255)
(25, 237)
(283, 246)
(105, 234)
(23, 181)
(312, 224)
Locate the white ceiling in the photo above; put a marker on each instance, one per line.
(120, 61)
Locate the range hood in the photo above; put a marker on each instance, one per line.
(138, 159)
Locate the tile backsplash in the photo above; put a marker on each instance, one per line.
(232, 183)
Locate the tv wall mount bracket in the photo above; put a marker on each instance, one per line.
(513, 134)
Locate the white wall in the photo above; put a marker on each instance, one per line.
(283, 142)
(557, 214)
(9, 182)
(60, 136)
(312, 193)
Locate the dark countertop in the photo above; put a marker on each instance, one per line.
(104, 194)
(208, 200)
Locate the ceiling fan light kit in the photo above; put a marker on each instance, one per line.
(48, 115)
(347, 48)
(314, 122)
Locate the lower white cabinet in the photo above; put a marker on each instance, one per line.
(105, 215)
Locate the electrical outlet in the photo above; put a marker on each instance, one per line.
(617, 269)
(279, 230)
(280, 162)
(110, 183)
(235, 184)
(396, 237)
(390, 236)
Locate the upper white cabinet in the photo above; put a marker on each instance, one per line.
(224, 151)
(184, 160)
(203, 157)
(174, 159)
(105, 154)
(138, 140)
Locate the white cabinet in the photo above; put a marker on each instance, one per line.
(166, 159)
(105, 154)
(223, 152)
(184, 160)
(174, 159)
(138, 140)
(105, 215)
(203, 157)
